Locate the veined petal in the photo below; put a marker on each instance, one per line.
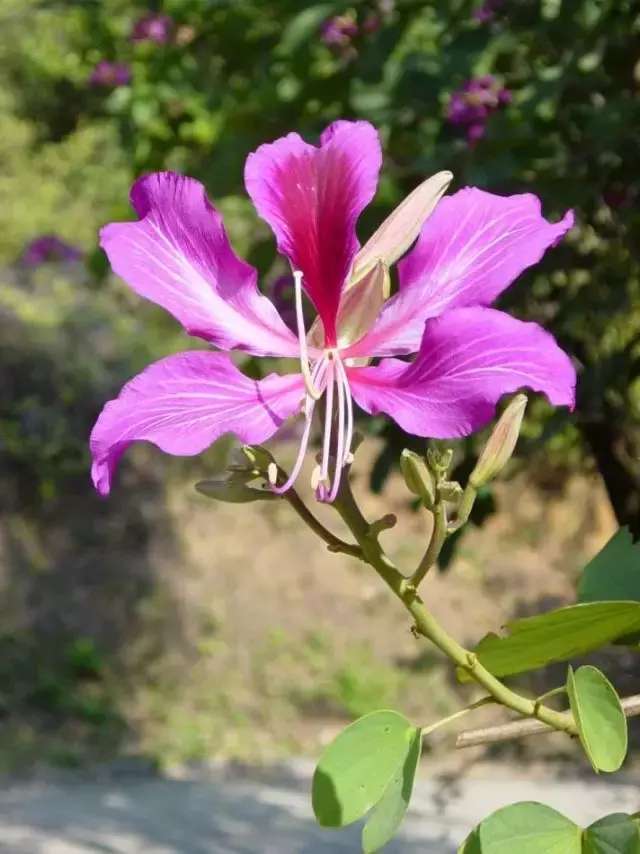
(183, 403)
(312, 197)
(472, 247)
(468, 359)
(178, 255)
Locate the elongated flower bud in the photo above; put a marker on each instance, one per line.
(499, 449)
(233, 491)
(418, 478)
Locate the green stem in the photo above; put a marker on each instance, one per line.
(428, 626)
(334, 543)
(438, 536)
(464, 508)
(427, 730)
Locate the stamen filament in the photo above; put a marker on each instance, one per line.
(309, 407)
(328, 422)
(349, 400)
(312, 391)
(339, 459)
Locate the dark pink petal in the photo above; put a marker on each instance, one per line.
(178, 255)
(468, 359)
(474, 245)
(184, 403)
(312, 197)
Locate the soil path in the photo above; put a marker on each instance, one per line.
(227, 812)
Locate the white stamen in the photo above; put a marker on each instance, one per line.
(309, 406)
(328, 422)
(339, 460)
(312, 391)
(348, 456)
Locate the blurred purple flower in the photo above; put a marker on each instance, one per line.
(153, 28)
(283, 297)
(110, 74)
(472, 104)
(47, 248)
(487, 12)
(339, 31)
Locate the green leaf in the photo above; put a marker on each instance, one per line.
(528, 828)
(602, 725)
(471, 845)
(557, 635)
(302, 27)
(355, 769)
(614, 834)
(387, 815)
(614, 573)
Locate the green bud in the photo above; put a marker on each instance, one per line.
(450, 490)
(258, 457)
(439, 460)
(418, 478)
(233, 492)
(502, 442)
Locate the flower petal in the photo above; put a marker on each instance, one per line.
(311, 197)
(178, 255)
(185, 402)
(470, 249)
(468, 359)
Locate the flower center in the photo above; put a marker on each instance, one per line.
(326, 375)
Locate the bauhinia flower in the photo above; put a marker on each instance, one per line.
(49, 247)
(470, 247)
(110, 74)
(472, 104)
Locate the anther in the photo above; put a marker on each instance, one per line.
(272, 473)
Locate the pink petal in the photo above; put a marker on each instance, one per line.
(468, 359)
(178, 255)
(312, 197)
(183, 403)
(474, 245)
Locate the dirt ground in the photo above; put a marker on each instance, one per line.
(230, 631)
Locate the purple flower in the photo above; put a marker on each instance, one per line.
(153, 28)
(47, 248)
(487, 11)
(471, 105)
(110, 74)
(339, 31)
(470, 247)
(282, 293)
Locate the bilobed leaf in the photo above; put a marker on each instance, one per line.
(558, 635)
(527, 828)
(602, 725)
(356, 768)
(614, 834)
(385, 818)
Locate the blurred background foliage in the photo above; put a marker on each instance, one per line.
(227, 75)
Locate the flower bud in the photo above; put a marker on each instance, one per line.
(418, 478)
(233, 492)
(498, 450)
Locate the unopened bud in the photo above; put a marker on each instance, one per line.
(439, 460)
(258, 457)
(233, 492)
(450, 490)
(418, 478)
(502, 442)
